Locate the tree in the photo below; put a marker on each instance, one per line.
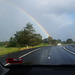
(11, 43)
(36, 39)
(69, 41)
(29, 28)
(58, 41)
(45, 40)
(63, 42)
(25, 37)
(3, 43)
(50, 40)
(54, 42)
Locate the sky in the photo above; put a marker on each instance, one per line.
(57, 17)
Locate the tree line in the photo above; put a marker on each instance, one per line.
(28, 37)
(51, 41)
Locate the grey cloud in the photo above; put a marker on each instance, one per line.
(53, 15)
(59, 6)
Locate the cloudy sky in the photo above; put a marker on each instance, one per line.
(57, 17)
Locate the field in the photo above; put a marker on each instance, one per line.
(4, 50)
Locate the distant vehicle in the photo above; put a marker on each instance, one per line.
(59, 44)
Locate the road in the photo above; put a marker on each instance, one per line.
(51, 55)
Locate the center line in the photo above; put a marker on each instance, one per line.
(48, 57)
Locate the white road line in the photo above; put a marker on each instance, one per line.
(29, 53)
(48, 57)
(68, 50)
(50, 52)
(6, 64)
(24, 55)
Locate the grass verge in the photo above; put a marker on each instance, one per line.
(4, 51)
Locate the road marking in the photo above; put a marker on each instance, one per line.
(6, 64)
(50, 52)
(49, 57)
(29, 53)
(24, 55)
(68, 50)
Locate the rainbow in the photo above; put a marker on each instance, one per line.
(28, 15)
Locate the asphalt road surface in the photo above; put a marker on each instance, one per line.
(51, 55)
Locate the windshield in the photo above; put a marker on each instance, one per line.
(40, 32)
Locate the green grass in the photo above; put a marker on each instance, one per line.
(4, 51)
(42, 45)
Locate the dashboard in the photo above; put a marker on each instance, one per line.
(37, 70)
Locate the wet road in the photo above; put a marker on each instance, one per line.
(51, 55)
